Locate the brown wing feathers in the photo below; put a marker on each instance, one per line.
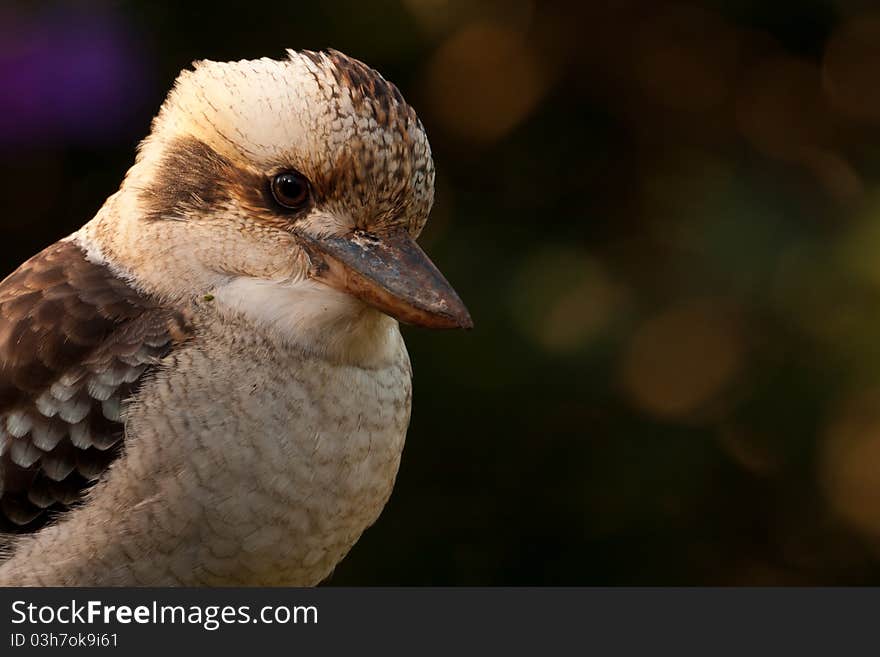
(74, 342)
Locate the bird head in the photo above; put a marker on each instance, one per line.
(309, 174)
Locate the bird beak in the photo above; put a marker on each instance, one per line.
(391, 273)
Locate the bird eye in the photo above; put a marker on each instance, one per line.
(290, 189)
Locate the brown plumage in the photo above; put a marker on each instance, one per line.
(74, 342)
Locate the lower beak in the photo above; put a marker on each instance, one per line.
(390, 273)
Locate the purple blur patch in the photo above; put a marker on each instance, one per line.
(68, 75)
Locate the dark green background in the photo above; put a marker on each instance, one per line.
(664, 219)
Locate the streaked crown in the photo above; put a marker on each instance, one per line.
(325, 114)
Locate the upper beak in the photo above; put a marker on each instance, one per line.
(391, 273)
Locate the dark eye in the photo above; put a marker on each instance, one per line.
(290, 189)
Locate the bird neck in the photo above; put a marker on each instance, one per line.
(314, 318)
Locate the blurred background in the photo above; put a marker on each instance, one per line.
(665, 218)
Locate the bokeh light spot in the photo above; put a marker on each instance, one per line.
(683, 358)
(483, 81)
(686, 58)
(563, 298)
(748, 450)
(781, 109)
(850, 462)
(850, 65)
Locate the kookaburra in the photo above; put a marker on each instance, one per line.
(206, 383)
